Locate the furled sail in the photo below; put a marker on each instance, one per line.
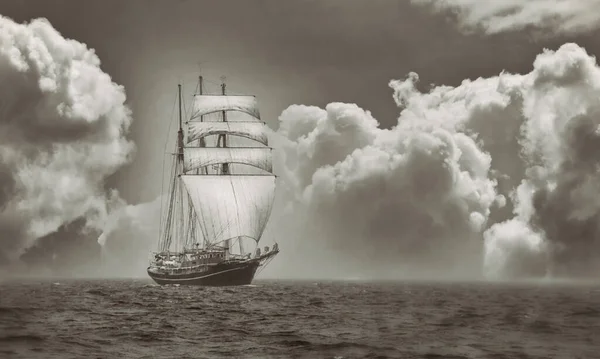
(253, 130)
(231, 206)
(197, 157)
(206, 104)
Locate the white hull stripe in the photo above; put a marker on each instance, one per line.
(195, 278)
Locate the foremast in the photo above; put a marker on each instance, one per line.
(173, 228)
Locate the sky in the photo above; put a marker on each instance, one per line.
(315, 53)
(296, 52)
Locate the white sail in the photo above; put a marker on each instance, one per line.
(205, 104)
(197, 157)
(231, 206)
(253, 130)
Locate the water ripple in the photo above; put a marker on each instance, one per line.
(136, 319)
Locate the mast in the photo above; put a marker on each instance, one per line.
(201, 141)
(180, 132)
(181, 233)
(225, 170)
(200, 85)
(225, 166)
(172, 227)
(192, 218)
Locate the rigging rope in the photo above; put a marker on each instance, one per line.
(162, 183)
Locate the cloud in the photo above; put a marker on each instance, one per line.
(62, 133)
(492, 17)
(497, 176)
(416, 196)
(558, 200)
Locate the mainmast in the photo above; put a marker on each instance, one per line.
(201, 140)
(223, 137)
(225, 165)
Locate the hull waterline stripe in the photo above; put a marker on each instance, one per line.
(205, 276)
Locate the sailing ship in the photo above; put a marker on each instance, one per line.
(220, 194)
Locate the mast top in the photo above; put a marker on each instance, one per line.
(180, 119)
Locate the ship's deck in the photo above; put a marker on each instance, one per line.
(200, 266)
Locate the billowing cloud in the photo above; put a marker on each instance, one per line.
(497, 175)
(417, 195)
(492, 17)
(558, 202)
(62, 133)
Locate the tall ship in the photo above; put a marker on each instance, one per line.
(220, 196)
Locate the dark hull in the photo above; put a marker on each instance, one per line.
(223, 274)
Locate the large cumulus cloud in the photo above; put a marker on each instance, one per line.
(558, 202)
(63, 123)
(495, 176)
(429, 194)
(416, 195)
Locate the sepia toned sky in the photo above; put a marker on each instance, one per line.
(450, 138)
(286, 52)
